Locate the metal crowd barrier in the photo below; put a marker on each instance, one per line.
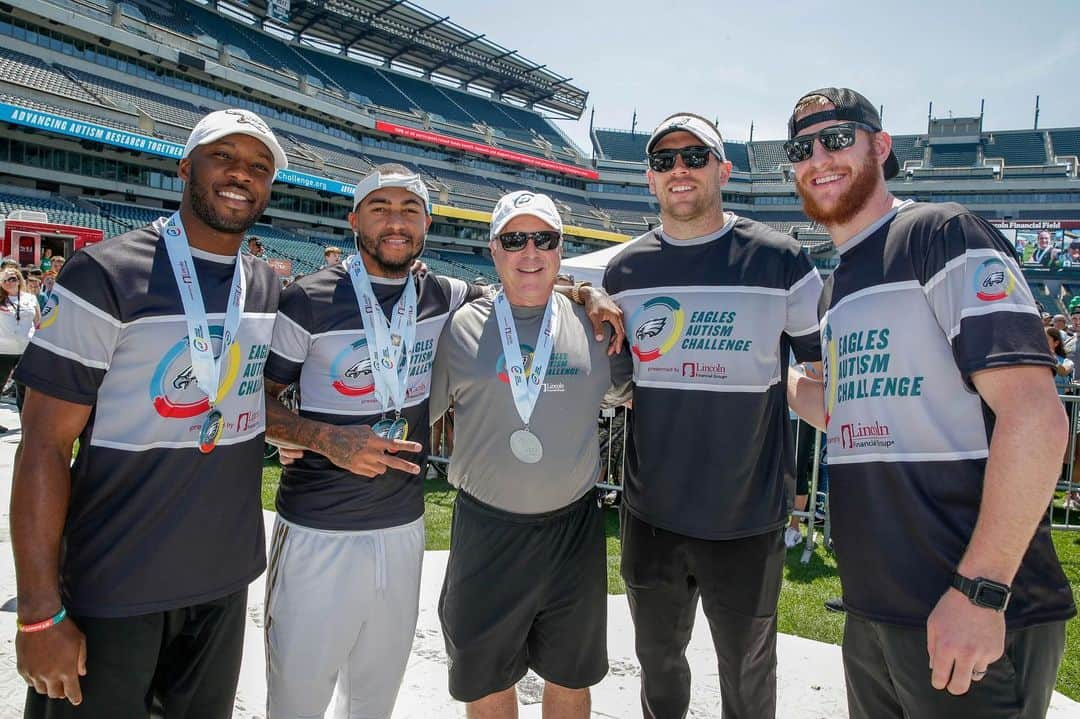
(1067, 483)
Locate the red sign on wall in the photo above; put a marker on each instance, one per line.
(498, 153)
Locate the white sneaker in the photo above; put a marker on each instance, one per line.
(792, 537)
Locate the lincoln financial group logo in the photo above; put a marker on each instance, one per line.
(704, 369)
(857, 435)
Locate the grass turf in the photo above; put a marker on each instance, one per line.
(805, 589)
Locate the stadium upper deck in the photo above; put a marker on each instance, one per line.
(71, 71)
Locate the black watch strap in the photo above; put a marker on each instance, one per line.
(983, 592)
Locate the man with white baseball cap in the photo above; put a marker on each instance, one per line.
(716, 303)
(526, 583)
(358, 337)
(133, 563)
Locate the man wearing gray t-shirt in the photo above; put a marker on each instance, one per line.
(525, 585)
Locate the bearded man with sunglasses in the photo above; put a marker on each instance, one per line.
(525, 584)
(936, 363)
(715, 303)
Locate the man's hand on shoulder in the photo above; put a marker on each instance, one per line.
(601, 308)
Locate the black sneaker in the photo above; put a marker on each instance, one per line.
(836, 604)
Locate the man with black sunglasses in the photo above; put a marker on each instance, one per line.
(715, 304)
(935, 362)
(525, 583)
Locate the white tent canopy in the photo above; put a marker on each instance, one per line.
(590, 267)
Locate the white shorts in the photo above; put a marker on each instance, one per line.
(340, 609)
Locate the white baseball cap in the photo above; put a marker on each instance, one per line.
(524, 202)
(234, 121)
(699, 127)
(375, 180)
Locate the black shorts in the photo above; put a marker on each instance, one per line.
(182, 663)
(524, 592)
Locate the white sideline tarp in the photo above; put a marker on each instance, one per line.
(590, 267)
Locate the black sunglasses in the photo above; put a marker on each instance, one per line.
(516, 241)
(692, 157)
(833, 139)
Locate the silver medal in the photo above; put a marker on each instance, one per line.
(526, 446)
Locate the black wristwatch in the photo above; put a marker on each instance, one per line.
(983, 592)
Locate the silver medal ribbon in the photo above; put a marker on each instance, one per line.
(389, 343)
(526, 389)
(205, 367)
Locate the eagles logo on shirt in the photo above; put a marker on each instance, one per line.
(173, 389)
(993, 281)
(350, 372)
(656, 327)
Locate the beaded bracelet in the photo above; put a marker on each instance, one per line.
(44, 623)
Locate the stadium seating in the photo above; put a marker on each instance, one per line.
(1022, 147)
(767, 156)
(953, 155)
(462, 265)
(159, 107)
(358, 78)
(738, 154)
(1066, 142)
(617, 145)
(468, 186)
(907, 148)
(31, 72)
(255, 46)
(164, 15)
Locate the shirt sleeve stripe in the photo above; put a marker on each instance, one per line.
(83, 304)
(68, 354)
(991, 309)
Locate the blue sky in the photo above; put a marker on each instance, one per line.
(749, 61)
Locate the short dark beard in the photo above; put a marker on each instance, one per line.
(864, 182)
(203, 208)
(389, 268)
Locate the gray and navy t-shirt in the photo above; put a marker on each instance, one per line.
(470, 374)
(319, 341)
(153, 523)
(922, 299)
(710, 323)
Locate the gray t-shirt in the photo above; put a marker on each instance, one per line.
(470, 374)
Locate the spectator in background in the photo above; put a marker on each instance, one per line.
(19, 315)
(8, 262)
(255, 247)
(33, 286)
(1073, 339)
(331, 256)
(1059, 322)
(48, 279)
(46, 259)
(58, 264)
(1063, 373)
(1047, 318)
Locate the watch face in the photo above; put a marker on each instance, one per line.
(991, 596)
